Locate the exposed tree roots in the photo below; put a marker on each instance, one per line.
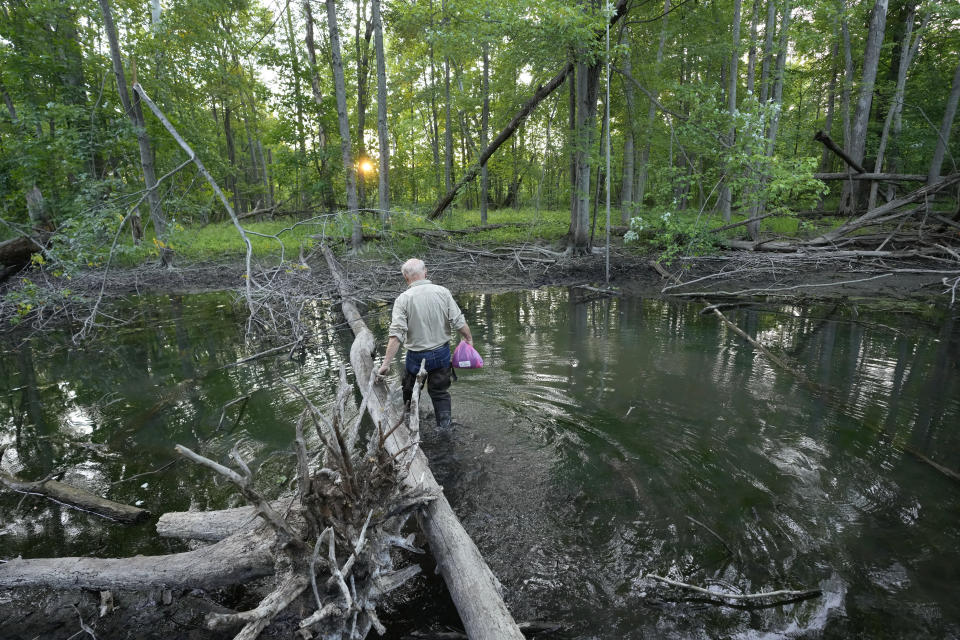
(328, 547)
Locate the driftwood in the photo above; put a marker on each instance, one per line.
(74, 497)
(828, 142)
(877, 214)
(212, 526)
(780, 595)
(472, 586)
(527, 628)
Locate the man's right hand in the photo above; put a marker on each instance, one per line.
(384, 369)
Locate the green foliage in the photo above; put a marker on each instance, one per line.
(29, 298)
(671, 235)
(234, 78)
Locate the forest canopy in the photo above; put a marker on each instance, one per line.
(713, 107)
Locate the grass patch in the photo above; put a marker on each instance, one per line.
(287, 236)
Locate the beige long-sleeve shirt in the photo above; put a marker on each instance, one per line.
(424, 315)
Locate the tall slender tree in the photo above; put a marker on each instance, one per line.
(135, 113)
(340, 90)
(383, 174)
(849, 200)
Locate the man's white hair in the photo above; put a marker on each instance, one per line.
(413, 267)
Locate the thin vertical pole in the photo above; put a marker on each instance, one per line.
(607, 116)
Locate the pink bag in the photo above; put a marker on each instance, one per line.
(466, 357)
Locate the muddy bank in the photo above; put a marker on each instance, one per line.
(736, 273)
(791, 277)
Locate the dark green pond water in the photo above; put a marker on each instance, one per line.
(586, 449)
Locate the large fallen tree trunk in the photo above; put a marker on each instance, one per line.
(211, 526)
(472, 586)
(236, 560)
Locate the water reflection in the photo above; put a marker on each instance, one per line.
(604, 440)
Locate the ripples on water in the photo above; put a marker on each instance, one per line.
(604, 440)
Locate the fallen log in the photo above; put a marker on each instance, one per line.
(892, 177)
(78, 498)
(789, 595)
(828, 142)
(18, 251)
(919, 195)
(472, 586)
(235, 560)
(212, 526)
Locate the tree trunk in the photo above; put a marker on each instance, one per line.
(448, 128)
(7, 100)
(70, 495)
(847, 91)
(777, 94)
(752, 54)
(871, 58)
(588, 84)
(725, 195)
(484, 133)
(232, 157)
(908, 46)
(363, 74)
(336, 64)
(383, 174)
(434, 122)
(572, 136)
(825, 159)
(136, 118)
(315, 84)
(626, 188)
(768, 30)
(946, 124)
(642, 171)
(547, 155)
(237, 559)
(295, 68)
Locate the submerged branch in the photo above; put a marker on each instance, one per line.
(787, 594)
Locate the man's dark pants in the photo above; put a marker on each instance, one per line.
(439, 375)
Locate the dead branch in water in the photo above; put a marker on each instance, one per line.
(74, 497)
(777, 360)
(784, 594)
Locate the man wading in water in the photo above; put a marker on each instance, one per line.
(422, 318)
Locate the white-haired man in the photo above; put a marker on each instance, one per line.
(423, 316)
